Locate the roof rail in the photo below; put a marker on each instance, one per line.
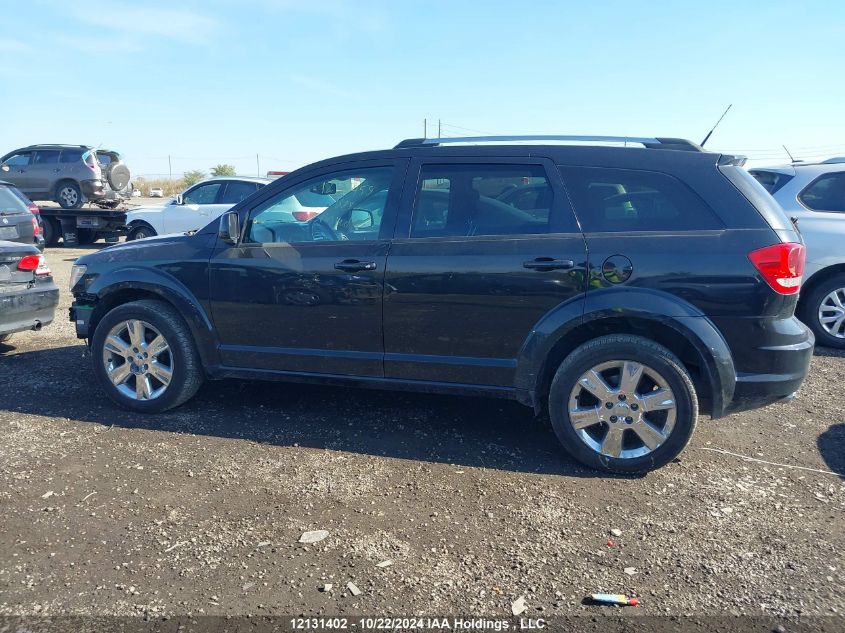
(652, 143)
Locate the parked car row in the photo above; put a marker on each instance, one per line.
(620, 289)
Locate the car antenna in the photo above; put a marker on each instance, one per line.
(717, 125)
(788, 154)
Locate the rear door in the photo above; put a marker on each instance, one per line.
(469, 275)
(43, 171)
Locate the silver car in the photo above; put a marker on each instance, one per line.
(814, 194)
(67, 174)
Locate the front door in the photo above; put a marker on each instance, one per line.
(193, 213)
(487, 249)
(306, 296)
(16, 170)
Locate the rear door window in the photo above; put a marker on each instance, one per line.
(46, 157)
(465, 200)
(610, 200)
(826, 193)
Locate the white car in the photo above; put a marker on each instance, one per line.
(156, 192)
(193, 209)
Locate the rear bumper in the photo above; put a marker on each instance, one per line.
(28, 309)
(93, 189)
(775, 368)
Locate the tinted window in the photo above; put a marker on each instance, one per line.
(826, 193)
(19, 160)
(10, 203)
(237, 191)
(609, 200)
(71, 155)
(46, 157)
(346, 205)
(771, 180)
(203, 194)
(467, 200)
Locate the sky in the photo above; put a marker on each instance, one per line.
(291, 81)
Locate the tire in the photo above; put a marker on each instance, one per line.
(68, 195)
(51, 232)
(139, 232)
(668, 428)
(140, 390)
(86, 237)
(822, 303)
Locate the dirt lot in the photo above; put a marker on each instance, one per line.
(199, 510)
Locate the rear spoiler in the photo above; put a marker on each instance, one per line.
(729, 159)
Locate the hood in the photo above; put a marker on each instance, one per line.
(158, 208)
(136, 250)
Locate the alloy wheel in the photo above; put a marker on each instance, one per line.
(69, 196)
(138, 360)
(832, 313)
(622, 409)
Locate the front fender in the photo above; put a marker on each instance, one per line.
(601, 312)
(110, 287)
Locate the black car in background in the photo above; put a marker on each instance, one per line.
(622, 289)
(19, 218)
(28, 295)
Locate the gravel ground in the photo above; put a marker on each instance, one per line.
(434, 505)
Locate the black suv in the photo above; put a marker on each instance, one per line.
(653, 282)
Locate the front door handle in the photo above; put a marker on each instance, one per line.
(548, 263)
(354, 265)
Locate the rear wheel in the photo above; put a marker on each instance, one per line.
(68, 195)
(86, 236)
(623, 403)
(824, 312)
(145, 358)
(51, 232)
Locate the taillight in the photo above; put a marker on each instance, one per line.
(304, 216)
(33, 208)
(36, 228)
(781, 266)
(35, 263)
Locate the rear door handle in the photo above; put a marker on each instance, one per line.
(354, 265)
(548, 263)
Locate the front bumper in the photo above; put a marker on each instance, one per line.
(80, 315)
(28, 308)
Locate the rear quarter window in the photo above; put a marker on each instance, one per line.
(11, 203)
(609, 200)
(826, 193)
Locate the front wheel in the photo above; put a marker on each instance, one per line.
(623, 404)
(824, 312)
(145, 358)
(140, 232)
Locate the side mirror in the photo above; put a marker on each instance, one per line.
(361, 219)
(230, 229)
(178, 199)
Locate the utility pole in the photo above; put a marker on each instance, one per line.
(438, 129)
(170, 167)
(257, 165)
(425, 128)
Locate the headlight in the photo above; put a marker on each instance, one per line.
(76, 273)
